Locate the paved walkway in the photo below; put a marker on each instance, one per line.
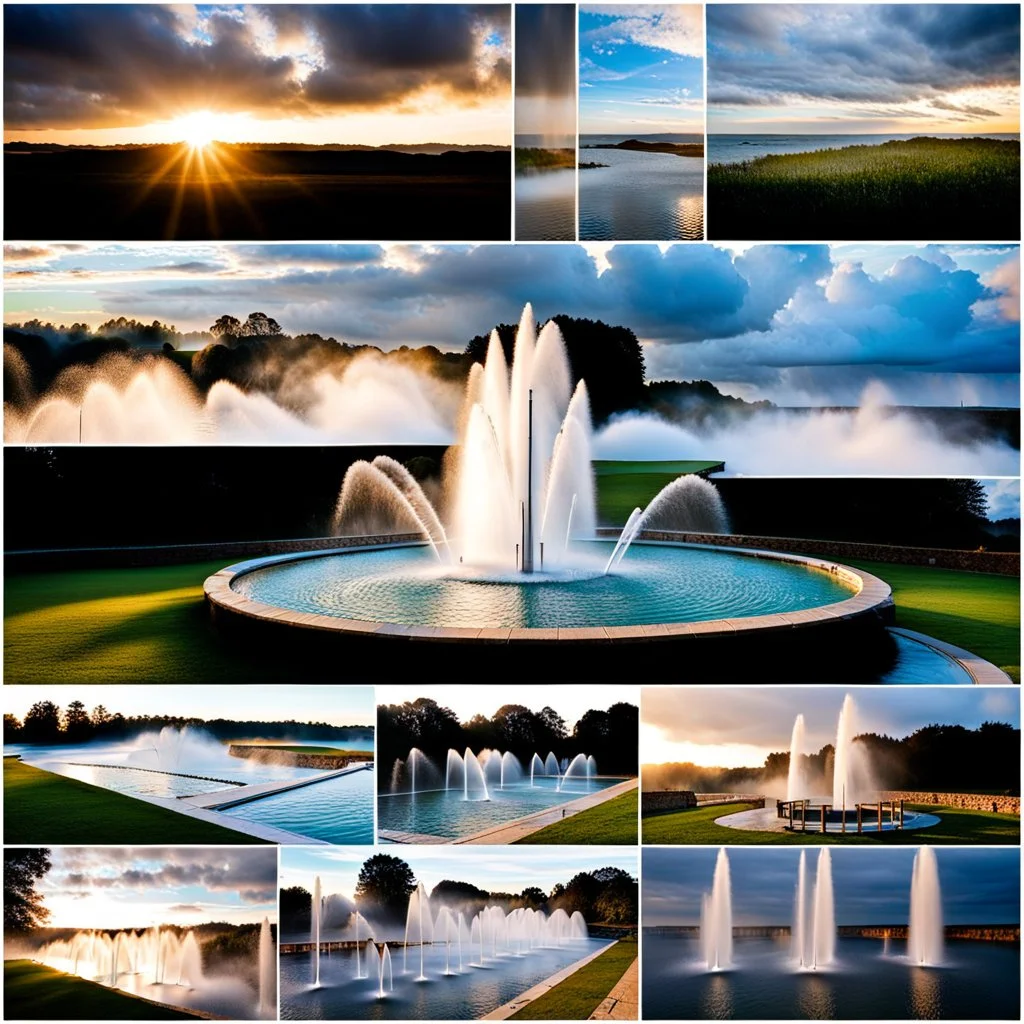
(623, 1002)
(525, 826)
(243, 794)
(515, 1005)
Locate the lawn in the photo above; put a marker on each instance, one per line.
(612, 823)
(623, 486)
(582, 993)
(971, 187)
(977, 611)
(43, 808)
(121, 625)
(697, 827)
(35, 992)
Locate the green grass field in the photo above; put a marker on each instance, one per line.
(623, 486)
(43, 808)
(697, 827)
(120, 625)
(977, 611)
(968, 187)
(35, 992)
(537, 158)
(612, 823)
(582, 993)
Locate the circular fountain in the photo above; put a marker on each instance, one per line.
(512, 559)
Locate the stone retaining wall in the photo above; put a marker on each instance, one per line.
(275, 755)
(969, 801)
(177, 554)
(655, 800)
(1002, 563)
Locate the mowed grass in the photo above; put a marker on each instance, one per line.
(962, 188)
(582, 993)
(957, 826)
(623, 486)
(977, 611)
(35, 992)
(612, 823)
(43, 808)
(146, 625)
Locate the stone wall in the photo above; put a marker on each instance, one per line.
(178, 554)
(1002, 563)
(652, 801)
(968, 801)
(275, 755)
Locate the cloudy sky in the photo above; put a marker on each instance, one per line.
(126, 887)
(328, 73)
(467, 701)
(871, 886)
(495, 870)
(545, 72)
(800, 325)
(740, 727)
(335, 705)
(641, 69)
(863, 68)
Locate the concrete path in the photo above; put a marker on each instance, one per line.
(623, 1002)
(419, 838)
(510, 831)
(243, 794)
(514, 1005)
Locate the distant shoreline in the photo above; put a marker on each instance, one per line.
(687, 149)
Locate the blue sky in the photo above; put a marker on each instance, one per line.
(494, 869)
(740, 727)
(796, 324)
(335, 705)
(641, 69)
(979, 886)
(137, 887)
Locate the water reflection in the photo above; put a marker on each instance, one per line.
(925, 993)
(817, 999)
(716, 1000)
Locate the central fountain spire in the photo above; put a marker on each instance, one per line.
(528, 518)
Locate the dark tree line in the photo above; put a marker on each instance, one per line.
(45, 723)
(938, 758)
(610, 736)
(23, 903)
(606, 896)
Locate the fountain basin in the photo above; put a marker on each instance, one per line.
(664, 591)
(768, 819)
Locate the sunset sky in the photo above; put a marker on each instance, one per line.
(641, 69)
(695, 724)
(796, 324)
(126, 887)
(863, 68)
(331, 73)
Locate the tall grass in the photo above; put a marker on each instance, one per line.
(921, 188)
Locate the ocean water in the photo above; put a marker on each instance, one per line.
(734, 149)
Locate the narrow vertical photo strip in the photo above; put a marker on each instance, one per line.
(140, 933)
(318, 121)
(111, 765)
(556, 765)
(444, 933)
(819, 934)
(641, 161)
(545, 122)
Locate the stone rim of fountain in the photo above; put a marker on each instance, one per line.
(871, 598)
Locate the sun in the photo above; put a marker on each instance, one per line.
(198, 129)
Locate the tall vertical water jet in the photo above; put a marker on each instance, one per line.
(799, 943)
(844, 790)
(317, 912)
(795, 785)
(419, 925)
(824, 938)
(536, 767)
(716, 919)
(267, 972)
(925, 940)
(384, 968)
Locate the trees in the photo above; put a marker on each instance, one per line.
(259, 325)
(385, 882)
(42, 723)
(23, 903)
(296, 908)
(77, 725)
(226, 327)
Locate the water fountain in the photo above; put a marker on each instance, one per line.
(925, 940)
(316, 914)
(716, 918)
(823, 938)
(419, 925)
(267, 972)
(795, 783)
(384, 968)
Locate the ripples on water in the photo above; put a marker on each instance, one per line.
(546, 206)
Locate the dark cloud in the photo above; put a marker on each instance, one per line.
(545, 50)
(871, 886)
(250, 874)
(767, 55)
(72, 65)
